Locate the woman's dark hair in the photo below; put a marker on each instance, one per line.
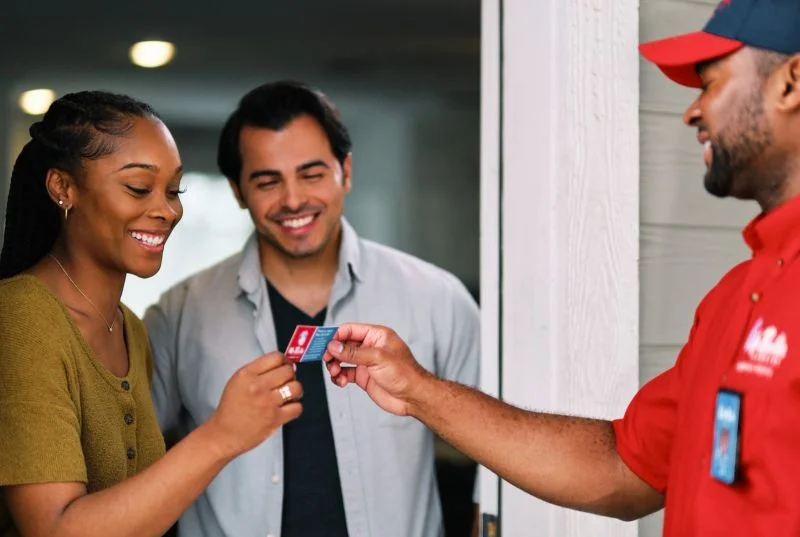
(76, 127)
(273, 106)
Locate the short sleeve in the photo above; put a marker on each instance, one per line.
(644, 436)
(162, 321)
(457, 322)
(40, 439)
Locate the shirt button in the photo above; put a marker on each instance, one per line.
(780, 262)
(276, 479)
(125, 385)
(128, 419)
(131, 453)
(755, 297)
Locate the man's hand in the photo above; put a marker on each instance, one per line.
(377, 360)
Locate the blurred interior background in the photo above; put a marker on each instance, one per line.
(404, 73)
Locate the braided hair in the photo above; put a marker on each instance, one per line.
(77, 127)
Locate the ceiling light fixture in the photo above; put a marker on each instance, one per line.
(35, 102)
(151, 54)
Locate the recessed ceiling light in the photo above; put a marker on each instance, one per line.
(152, 53)
(36, 102)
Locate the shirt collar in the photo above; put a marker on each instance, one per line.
(350, 252)
(776, 232)
(350, 267)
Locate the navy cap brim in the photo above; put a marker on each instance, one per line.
(678, 56)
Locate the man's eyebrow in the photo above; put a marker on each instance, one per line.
(312, 164)
(255, 174)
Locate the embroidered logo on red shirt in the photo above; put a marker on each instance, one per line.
(766, 348)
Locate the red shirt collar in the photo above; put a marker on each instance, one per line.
(776, 232)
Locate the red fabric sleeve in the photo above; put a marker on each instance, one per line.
(645, 435)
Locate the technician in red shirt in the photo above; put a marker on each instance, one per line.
(717, 437)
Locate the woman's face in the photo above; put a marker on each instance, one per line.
(125, 205)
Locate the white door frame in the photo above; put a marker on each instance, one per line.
(490, 211)
(559, 225)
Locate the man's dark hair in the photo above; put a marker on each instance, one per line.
(273, 106)
(77, 127)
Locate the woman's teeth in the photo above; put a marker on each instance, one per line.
(150, 240)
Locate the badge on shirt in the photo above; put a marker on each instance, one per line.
(308, 343)
(725, 455)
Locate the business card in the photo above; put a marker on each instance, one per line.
(308, 343)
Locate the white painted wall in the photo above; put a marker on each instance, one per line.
(689, 239)
(569, 188)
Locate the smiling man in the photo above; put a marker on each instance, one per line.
(344, 467)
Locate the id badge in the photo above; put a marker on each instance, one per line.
(725, 454)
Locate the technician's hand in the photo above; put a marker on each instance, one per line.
(377, 360)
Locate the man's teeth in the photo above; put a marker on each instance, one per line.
(295, 223)
(707, 145)
(150, 240)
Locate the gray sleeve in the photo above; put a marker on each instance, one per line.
(458, 329)
(458, 343)
(162, 321)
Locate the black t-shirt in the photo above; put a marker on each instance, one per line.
(312, 492)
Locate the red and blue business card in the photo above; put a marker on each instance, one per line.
(308, 343)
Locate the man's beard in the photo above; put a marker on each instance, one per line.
(737, 167)
(721, 174)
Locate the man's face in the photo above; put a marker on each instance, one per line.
(734, 128)
(293, 186)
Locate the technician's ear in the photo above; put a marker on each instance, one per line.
(784, 83)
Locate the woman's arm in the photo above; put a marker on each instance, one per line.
(149, 503)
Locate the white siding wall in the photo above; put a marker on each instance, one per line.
(688, 238)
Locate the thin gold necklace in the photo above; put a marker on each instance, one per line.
(100, 313)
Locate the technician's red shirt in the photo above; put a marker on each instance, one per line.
(742, 339)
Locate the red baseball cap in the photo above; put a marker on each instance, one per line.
(678, 57)
(764, 24)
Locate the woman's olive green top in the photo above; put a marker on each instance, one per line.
(63, 416)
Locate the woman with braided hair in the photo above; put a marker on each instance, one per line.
(94, 196)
